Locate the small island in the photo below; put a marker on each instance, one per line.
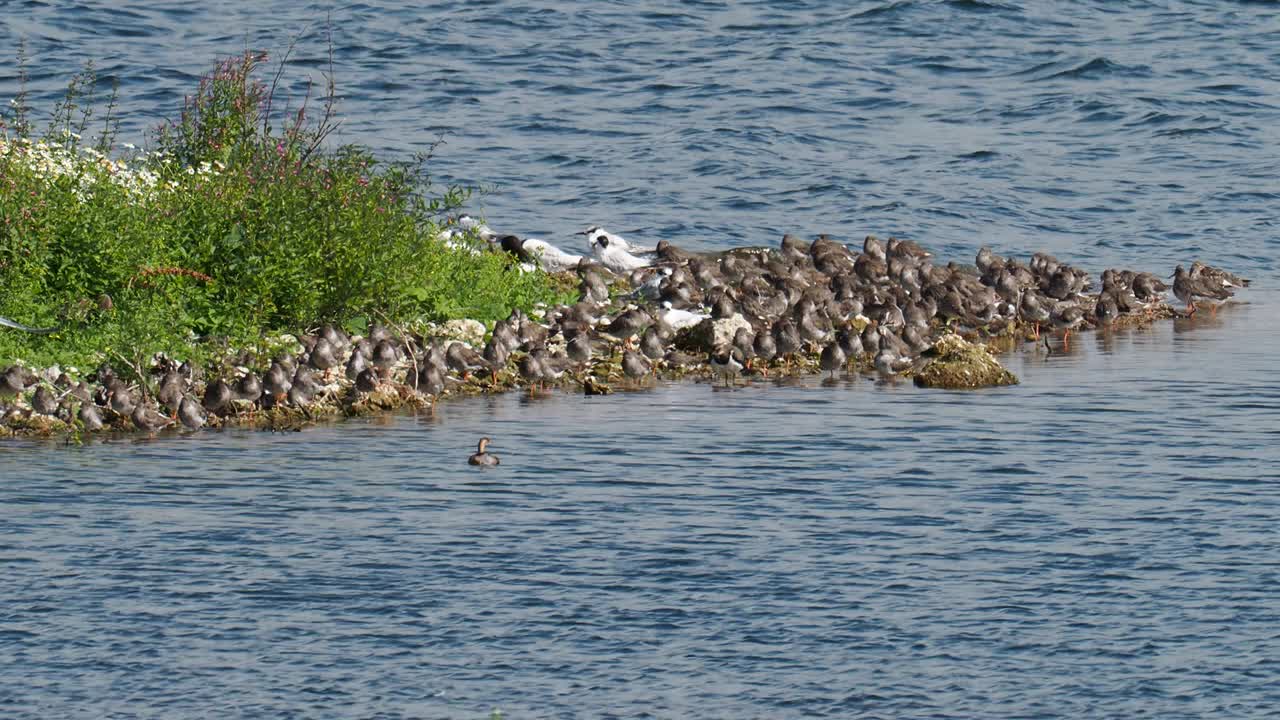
(240, 271)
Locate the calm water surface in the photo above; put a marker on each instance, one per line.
(1096, 542)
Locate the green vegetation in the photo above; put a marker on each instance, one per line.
(229, 230)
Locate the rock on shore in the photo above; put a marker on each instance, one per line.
(958, 364)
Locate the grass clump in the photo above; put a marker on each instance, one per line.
(228, 230)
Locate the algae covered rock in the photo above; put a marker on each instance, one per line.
(961, 365)
(710, 334)
(471, 332)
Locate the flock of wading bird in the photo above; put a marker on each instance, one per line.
(753, 310)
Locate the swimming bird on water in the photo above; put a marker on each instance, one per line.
(481, 456)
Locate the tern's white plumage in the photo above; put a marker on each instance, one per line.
(613, 252)
(550, 258)
(680, 319)
(595, 232)
(466, 222)
(455, 240)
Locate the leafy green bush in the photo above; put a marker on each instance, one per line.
(228, 231)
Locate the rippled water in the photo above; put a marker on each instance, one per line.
(1096, 542)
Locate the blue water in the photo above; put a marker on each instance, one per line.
(1096, 542)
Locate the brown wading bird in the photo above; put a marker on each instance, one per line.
(14, 380)
(1186, 289)
(1067, 317)
(149, 419)
(833, 358)
(190, 414)
(89, 417)
(634, 366)
(481, 457)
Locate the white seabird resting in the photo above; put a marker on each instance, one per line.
(549, 257)
(452, 239)
(681, 319)
(614, 252)
(455, 238)
(534, 253)
(595, 232)
(466, 222)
